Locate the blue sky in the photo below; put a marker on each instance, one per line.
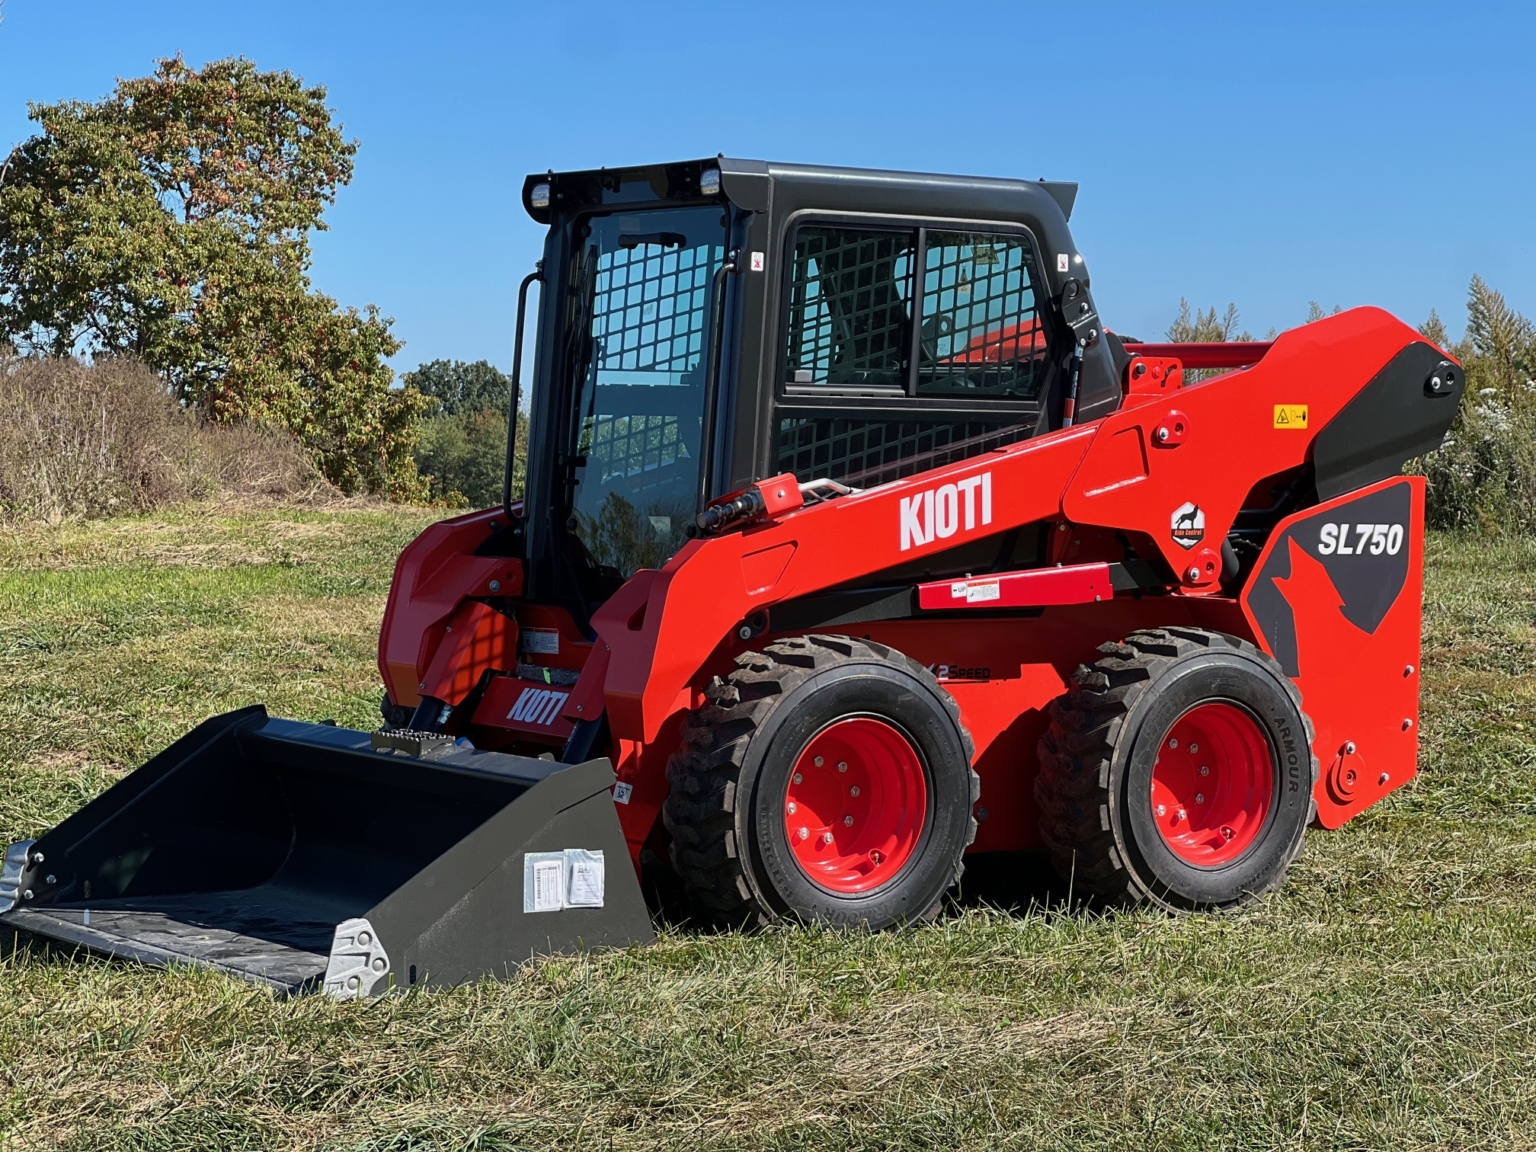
(1348, 153)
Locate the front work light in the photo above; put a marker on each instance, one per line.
(539, 197)
(709, 182)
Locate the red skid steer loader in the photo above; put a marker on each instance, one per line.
(853, 542)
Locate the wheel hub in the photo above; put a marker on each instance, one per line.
(855, 805)
(1212, 784)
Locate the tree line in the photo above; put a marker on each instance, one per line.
(171, 222)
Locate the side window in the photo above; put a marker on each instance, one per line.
(850, 312)
(982, 333)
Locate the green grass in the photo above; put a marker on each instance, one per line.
(1386, 998)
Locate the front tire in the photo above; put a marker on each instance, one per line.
(826, 779)
(1178, 770)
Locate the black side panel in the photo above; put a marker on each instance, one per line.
(1368, 577)
(1396, 417)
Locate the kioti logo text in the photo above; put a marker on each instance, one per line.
(939, 513)
(537, 706)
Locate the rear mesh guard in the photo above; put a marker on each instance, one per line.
(298, 856)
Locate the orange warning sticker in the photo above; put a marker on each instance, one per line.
(1291, 416)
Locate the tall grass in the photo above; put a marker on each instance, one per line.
(90, 440)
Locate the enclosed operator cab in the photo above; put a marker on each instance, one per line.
(704, 324)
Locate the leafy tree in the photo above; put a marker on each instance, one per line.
(464, 456)
(457, 387)
(463, 447)
(170, 221)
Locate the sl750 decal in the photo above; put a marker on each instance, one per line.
(938, 513)
(1374, 539)
(537, 706)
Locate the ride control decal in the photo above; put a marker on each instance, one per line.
(939, 513)
(1188, 526)
(1361, 544)
(1291, 417)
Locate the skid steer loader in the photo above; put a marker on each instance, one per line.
(853, 542)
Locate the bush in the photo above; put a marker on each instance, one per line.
(1484, 477)
(84, 440)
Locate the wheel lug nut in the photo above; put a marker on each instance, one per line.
(817, 761)
(1162, 809)
(1199, 797)
(826, 837)
(1179, 815)
(1174, 744)
(848, 820)
(842, 765)
(792, 808)
(797, 777)
(854, 791)
(804, 833)
(1205, 770)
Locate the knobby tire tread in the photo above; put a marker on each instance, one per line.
(703, 775)
(1072, 787)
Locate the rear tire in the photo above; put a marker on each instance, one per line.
(1134, 809)
(826, 779)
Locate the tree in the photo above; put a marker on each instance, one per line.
(463, 449)
(170, 221)
(457, 387)
(1205, 327)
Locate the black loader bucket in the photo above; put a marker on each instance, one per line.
(309, 857)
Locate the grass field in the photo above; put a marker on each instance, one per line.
(1386, 998)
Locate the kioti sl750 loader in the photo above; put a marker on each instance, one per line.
(853, 542)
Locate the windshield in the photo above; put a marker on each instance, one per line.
(638, 331)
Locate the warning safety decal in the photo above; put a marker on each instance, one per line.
(1291, 416)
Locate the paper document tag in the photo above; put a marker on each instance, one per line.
(543, 881)
(544, 641)
(584, 887)
(556, 880)
(622, 792)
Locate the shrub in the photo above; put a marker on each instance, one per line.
(96, 440)
(1484, 476)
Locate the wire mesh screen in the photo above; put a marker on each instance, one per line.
(850, 307)
(865, 453)
(649, 320)
(639, 323)
(982, 334)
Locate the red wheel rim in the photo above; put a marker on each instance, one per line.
(1212, 784)
(855, 805)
